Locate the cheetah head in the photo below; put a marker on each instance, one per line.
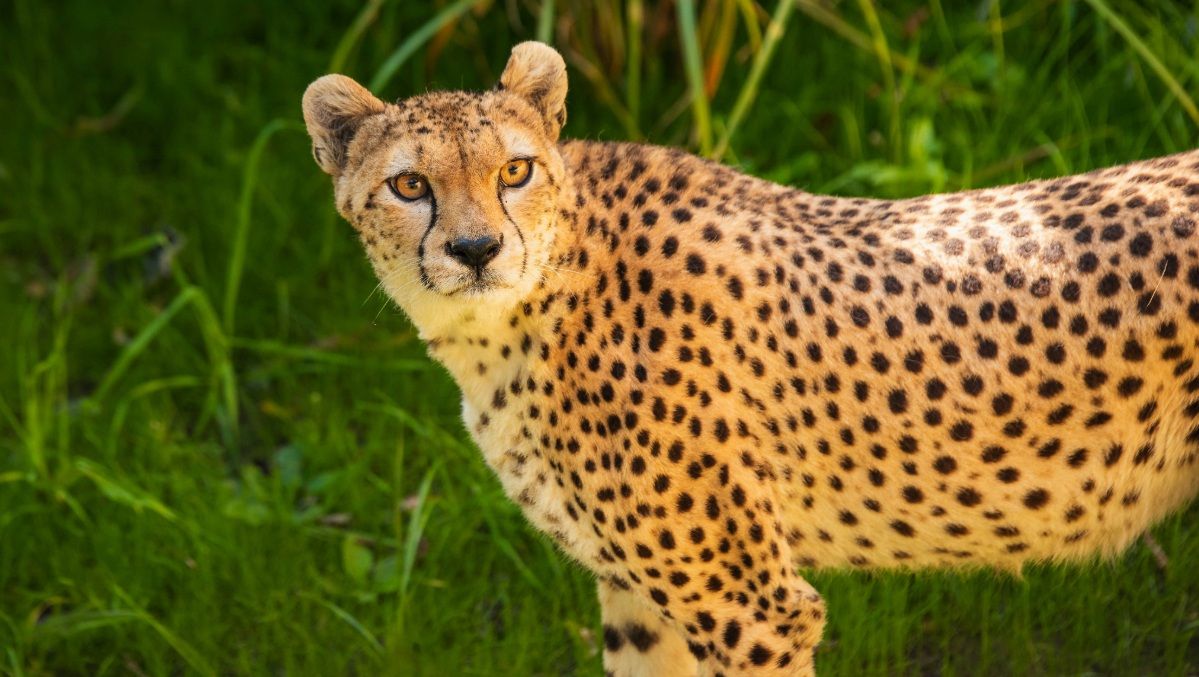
(453, 194)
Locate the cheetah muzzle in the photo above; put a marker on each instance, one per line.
(699, 382)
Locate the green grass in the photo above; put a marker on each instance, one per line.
(221, 453)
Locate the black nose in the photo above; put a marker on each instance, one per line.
(473, 252)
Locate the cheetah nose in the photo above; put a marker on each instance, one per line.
(473, 252)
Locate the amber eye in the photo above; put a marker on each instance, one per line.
(409, 186)
(516, 173)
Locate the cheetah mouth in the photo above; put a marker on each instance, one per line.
(478, 285)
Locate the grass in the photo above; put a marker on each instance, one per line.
(221, 453)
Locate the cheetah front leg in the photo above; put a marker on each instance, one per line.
(755, 640)
(719, 569)
(638, 641)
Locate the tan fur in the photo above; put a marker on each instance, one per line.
(699, 382)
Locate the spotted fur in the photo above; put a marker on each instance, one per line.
(699, 382)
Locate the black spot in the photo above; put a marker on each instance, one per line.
(656, 338)
(859, 316)
(987, 349)
(1050, 388)
(640, 637)
(1129, 386)
(1109, 285)
(612, 639)
(1094, 378)
(950, 353)
(1050, 448)
(1018, 366)
(1088, 263)
(1036, 499)
(993, 454)
(962, 431)
(1055, 353)
(945, 465)
(957, 316)
(760, 655)
(1002, 404)
(1141, 245)
(732, 634)
(968, 497)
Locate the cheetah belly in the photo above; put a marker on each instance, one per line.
(1099, 513)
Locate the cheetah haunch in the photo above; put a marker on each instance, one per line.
(698, 382)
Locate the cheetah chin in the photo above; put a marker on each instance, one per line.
(699, 382)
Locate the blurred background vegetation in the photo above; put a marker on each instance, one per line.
(222, 453)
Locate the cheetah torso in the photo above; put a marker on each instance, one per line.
(982, 378)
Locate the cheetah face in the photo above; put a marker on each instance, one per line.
(461, 206)
(453, 194)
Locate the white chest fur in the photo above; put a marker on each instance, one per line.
(504, 401)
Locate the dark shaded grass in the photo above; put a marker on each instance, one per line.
(244, 495)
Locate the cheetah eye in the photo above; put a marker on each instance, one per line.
(409, 186)
(516, 173)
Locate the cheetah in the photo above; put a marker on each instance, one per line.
(700, 383)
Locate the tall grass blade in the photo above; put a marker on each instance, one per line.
(635, 26)
(72, 623)
(189, 653)
(720, 46)
(367, 16)
(749, 91)
(823, 15)
(416, 528)
(237, 257)
(995, 26)
(545, 21)
(123, 493)
(882, 51)
(148, 388)
(217, 342)
(14, 663)
(349, 619)
(1121, 27)
(138, 345)
(603, 90)
(501, 542)
(137, 247)
(317, 355)
(749, 17)
(416, 40)
(693, 64)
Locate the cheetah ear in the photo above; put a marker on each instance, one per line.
(334, 108)
(536, 72)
